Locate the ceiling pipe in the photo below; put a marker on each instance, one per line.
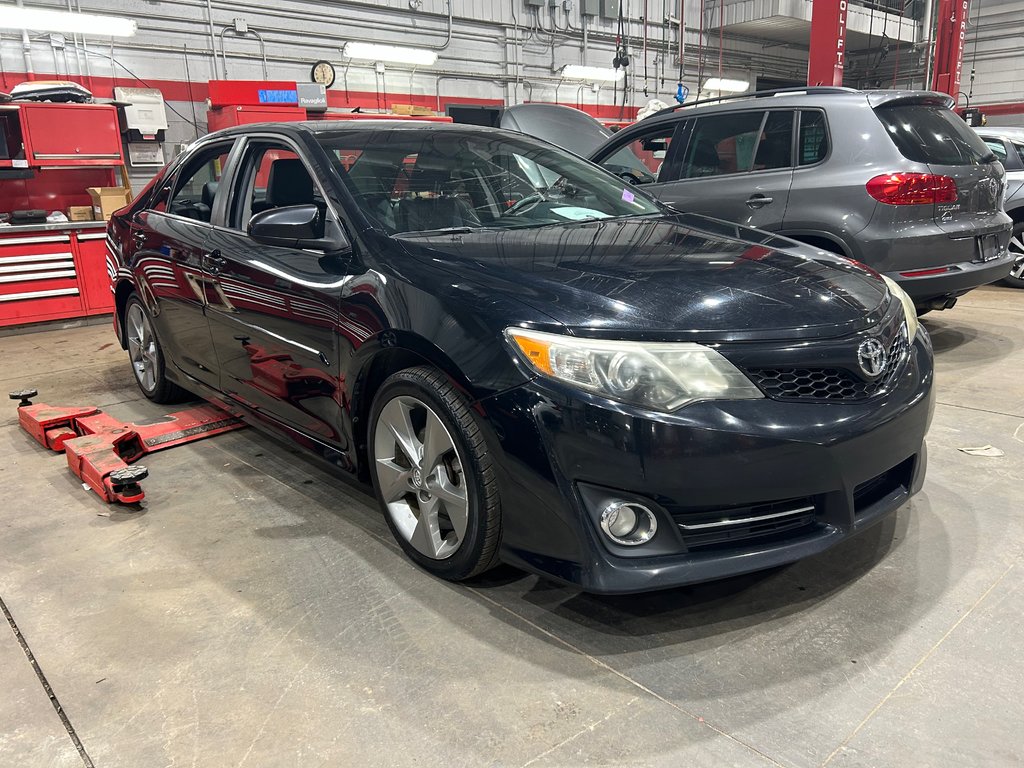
(682, 37)
(85, 48)
(26, 49)
(254, 33)
(213, 38)
(929, 28)
(448, 39)
(74, 43)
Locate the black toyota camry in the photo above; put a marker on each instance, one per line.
(530, 360)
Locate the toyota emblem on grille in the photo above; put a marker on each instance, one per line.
(871, 357)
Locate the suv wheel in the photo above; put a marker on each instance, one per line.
(1016, 276)
(433, 475)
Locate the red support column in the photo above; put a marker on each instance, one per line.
(950, 35)
(828, 42)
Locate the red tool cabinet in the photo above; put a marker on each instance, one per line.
(53, 154)
(53, 274)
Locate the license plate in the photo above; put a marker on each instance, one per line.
(988, 247)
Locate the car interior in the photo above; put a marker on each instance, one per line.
(433, 199)
(276, 178)
(421, 191)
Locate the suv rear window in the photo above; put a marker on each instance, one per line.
(932, 135)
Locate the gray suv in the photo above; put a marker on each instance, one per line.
(1008, 145)
(893, 179)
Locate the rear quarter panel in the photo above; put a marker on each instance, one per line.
(830, 197)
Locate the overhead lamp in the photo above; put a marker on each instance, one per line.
(592, 74)
(722, 84)
(69, 22)
(420, 57)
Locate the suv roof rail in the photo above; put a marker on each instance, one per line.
(761, 94)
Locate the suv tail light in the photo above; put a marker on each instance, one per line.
(912, 189)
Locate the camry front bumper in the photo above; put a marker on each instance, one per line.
(736, 486)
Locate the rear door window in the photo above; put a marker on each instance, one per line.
(775, 148)
(812, 146)
(933, 135)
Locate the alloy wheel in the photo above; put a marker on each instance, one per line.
(1017, 249)
(421, 477)
(142, 348)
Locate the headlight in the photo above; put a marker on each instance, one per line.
(909, 310)
(661, 376)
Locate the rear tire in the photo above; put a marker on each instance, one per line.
(433, 475)
(1016, 276)
(146, 355)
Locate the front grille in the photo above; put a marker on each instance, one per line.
(830, 383)
(725, 528)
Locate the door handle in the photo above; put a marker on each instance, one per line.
(758, 201)
(214, 262)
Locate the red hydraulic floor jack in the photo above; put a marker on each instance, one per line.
(99, 448)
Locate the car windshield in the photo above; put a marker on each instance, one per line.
(409, 181)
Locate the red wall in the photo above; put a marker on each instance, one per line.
(177, 90)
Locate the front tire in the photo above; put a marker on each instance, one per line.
(146, 355)
(1016, 277)
(433, 475)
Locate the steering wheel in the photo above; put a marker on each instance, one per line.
(521, 206)
(634, 178)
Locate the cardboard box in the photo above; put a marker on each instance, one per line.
(106, 200)
(80, 213)
(411, 110)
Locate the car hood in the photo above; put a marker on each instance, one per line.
(668, 277)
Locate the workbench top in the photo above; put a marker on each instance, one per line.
(63, 226)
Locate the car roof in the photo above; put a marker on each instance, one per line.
(349, 126)
(1002, 132)
(821, 96)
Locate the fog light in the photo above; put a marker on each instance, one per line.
(628, 523)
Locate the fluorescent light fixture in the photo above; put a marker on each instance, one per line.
(12, 17)
(420, 57)
(592, 74)
(726, 84)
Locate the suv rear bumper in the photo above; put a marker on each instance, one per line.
(954, 279)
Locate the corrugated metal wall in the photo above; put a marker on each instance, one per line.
(503, 50)
(994, 48)
(500, 50)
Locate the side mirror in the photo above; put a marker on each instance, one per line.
(298, 226)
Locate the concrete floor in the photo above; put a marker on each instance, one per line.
(256, 612)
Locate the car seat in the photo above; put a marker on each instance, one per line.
(705, 160)
(433, 176)
(774, 151)
(209, 193)
(287, 184)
